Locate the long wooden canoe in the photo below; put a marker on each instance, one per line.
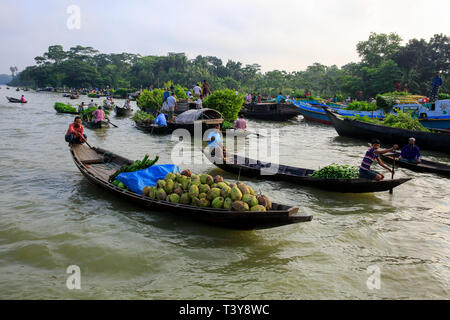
(96, 125)
(438, 140)
(91, 163)
(270, 111)
(271, 171)
(423, 166)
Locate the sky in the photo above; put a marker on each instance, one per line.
(277, 34)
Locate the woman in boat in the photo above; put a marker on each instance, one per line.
(22, 99)
(75, 133)
(99, 115)
(371, 155)
(91, 104)
(411, 152)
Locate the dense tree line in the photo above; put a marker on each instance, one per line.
(384, 61)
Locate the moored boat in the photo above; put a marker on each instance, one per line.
(272, 171)
(270, 111)
(97, 165)
(438, 140)
(425, 166)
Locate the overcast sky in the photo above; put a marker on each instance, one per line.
(278, 34)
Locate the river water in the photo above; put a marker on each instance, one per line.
(52, 218)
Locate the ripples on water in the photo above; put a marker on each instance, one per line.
(51, 217)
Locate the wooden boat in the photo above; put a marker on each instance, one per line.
(73, 97)
(123, 112)
(423, 166)
(202, 119)
(262, 170)
(94, 125)
(270, 111)
(14, 100)
(91, 163)
(438, 140)
(151, 128)
(67, 112)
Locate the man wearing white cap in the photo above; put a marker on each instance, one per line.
(411, 152)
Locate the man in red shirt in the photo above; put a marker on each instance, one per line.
(75, 134)
(240, 124)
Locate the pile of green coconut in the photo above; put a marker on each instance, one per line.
(206, 191)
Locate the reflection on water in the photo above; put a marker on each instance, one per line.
(52, 217)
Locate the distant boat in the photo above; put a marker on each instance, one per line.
(14, 100)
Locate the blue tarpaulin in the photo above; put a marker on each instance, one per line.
(137, 181)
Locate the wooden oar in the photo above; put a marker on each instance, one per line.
(393, 173)
(84, 139)
(112, 123)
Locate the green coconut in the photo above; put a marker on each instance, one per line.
(218, 203)
(236, 194)
(214, 193)
(228, 204)
(240, 206)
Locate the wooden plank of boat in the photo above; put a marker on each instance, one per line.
(270, 111)
(67, 112)
(271, 171)
(438, 140)
(96, 125)
(87, 161)
(123, 112)
(423, 166)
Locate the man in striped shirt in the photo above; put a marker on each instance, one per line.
(371, 155)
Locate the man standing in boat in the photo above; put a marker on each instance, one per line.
(171, 104)
(371, 155)
(75, 134)
(437, 83)
(411, 152)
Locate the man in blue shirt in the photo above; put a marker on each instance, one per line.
(166, 94)
(160, 120)
(215, 142)
(437, 82)
(411, 152)
(280, 98)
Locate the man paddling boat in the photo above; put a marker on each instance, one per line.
(371, 155)
(75, 134)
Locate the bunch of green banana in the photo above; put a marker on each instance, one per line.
(136, 166)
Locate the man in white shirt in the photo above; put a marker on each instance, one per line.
(197, 91)
(171, 103)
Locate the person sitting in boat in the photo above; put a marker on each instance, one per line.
(22, 99)
(91, 104)
(99, 115)
(240, 124)
(81, 107)
(215, 142)
(75, 133)
(127, 104)
(280, 98)
(411, 152)
(199, 103)
(371, 155)
(160, 120)
(189, 94)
